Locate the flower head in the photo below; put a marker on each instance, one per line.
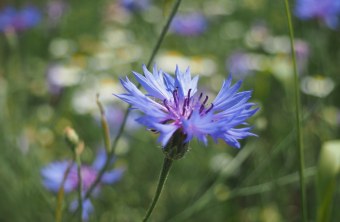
(326, 10)
(192, 24)
(241, 64)
(175, 108)
(26, 18)
(135, 5)
(55, 9)
(54, 173)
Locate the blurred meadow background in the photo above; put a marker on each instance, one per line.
(57, 55)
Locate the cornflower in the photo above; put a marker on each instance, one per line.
(174, 108)
(326, 10)
(135, 5)
(54, 172)
(19, 20)
(192, 24)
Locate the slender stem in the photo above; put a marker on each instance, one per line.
(80, 187)
(163, 33)
(60, 195)
(298, 115)
(162, 178)
(122, 126)
(105, 126)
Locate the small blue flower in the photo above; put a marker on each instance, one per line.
(175, 105)
(135, 5)
(53, 175)
(240, 64)
(26, 18)
(325, 10)
(191, 24)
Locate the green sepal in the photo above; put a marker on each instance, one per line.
(176, 147)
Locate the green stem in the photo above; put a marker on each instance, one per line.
(80, 187)
(163, 33)
(105, 126)
(298, 116)
(162, 178)
(60, 195)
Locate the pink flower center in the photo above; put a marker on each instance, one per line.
(179, 107)
(89, 175)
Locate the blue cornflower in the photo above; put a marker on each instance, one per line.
(19, 20)
(135, 5)
(179, 112)
(54, 172)
(192, 24)
(241, 64)
(325, 10)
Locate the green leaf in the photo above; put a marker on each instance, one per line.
(328, 169)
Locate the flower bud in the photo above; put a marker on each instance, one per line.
(71, 137)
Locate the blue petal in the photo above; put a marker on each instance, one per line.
(169, 82)
(87, 208)
(154, 83)
(165, 130)
(100, 160)
(225, 94)
(112, 176)
(231, 141)
(184, 82)
(199, 126)
(53, 175)
(235, 107)
(139, 101)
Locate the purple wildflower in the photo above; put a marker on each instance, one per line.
(26, 18)
(114, 115)
(241, 64)
(302, 54)
(55, 10)
(135, 5)
(326, 10)
(54, 172)
(192, 24)
(174, 108)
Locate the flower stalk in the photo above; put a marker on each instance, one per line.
(105, 126)
(60, 195)
(167, 163)
(163, 33)
(80, 187)
(77, 147)
(298, 115)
